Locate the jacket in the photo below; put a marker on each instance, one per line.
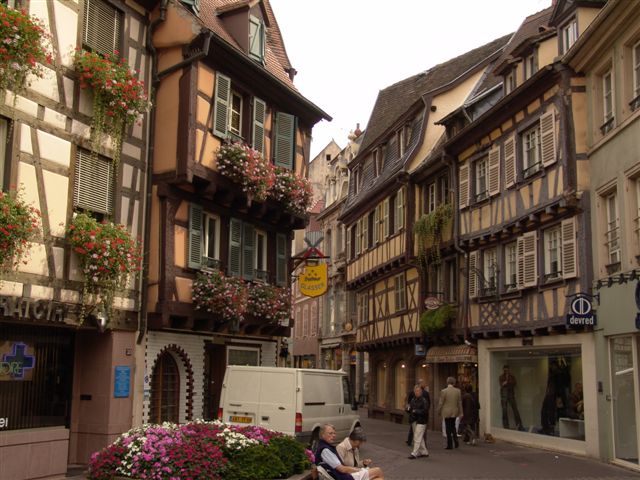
(450, 403)
(350, 456)
(418, 410)
(334, 473)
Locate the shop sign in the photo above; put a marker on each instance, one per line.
(16, 361)
(352, 357)
(581, 312)
(32, 309)
(432, 303)
(313, 280)
(420, 350)
(4, 422)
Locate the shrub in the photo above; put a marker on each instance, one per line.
(292, 454)
(255, 461)
(433, 321)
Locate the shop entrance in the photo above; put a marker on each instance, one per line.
(624, 385)
(215, 365)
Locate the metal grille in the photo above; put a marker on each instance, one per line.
(102, 30)
(93, 186)
(44, 400)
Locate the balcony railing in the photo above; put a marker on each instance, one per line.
(607, 126)
(210, 263)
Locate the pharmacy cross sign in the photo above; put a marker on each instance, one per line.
(19, 359)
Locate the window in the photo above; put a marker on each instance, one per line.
(443, 190)
(431, 197)
(569, 35)
(256, 38)
(490, 271)
(370, 220)
(282, 262)
(607, 102)
(636, 219)
(398, 217)
(509, 83)
(328, 244)
(363, 308)
(211, 242)
(530, 66)
(165, 390)
(636, 76)
(204, 239)
(356, 180)
(386, 224)
(450, 293)
(552, 254)
(531, 161)
(261, 273)
(93, 183)
(235, 114)
(481, 179)
(243, 356)
(612, 234)
(259, 119)
(510, 266)
(5, 160)
(400, 293)
(102, 28)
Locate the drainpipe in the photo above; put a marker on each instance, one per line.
(456, 232)
(156, 78)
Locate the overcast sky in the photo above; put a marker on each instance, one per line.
(346, 51)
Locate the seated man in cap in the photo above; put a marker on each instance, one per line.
(349, 449)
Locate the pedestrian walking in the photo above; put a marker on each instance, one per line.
(470, 416)
(418, 409)
(450, 407)
(410, 396)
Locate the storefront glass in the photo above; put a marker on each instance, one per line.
(381, 385)
(539, 391)
(623, 376)
(400, 388)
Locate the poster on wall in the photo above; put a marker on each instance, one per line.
(17, 361)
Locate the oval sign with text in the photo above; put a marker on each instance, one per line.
(313, 280)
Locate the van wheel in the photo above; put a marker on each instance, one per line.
(315, 440)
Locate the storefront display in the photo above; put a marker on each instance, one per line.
(539, 391)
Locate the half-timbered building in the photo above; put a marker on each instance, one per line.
(378, 216)
(66, 377)
(523, 204)
(223, 78)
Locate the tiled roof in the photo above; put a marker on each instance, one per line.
(533, 26)
(396, 99)
(276, 59)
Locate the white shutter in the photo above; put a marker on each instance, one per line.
(285, 140)
(464, 184)
(548, 138)
(221, 105)
(102, 30)
(527, 260)
(569, 245)
(194, 259)
(510, 162)
(473, 274)
(93, 183)
(235, 247)
(259, 118)
(494, 171)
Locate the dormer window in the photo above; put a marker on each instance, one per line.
(256, 38)
(569, 35)
(530, 66)
(509, 83)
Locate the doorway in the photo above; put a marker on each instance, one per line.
(215, 365)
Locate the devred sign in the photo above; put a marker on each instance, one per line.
(313, 280)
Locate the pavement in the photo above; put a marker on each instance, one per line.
(500, 460)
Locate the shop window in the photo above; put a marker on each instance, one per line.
(165, 390)
(37, 392)
(381, 385)
(539, 391)
(400, 386)
(623, 394)
(243, 356)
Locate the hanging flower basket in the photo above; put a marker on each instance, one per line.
(24, 49)
(273, 304)
(19, 223)
(293, 191)
(119, 98)
(434, 321)
(245, 166)
(108, 255)
(213, 292)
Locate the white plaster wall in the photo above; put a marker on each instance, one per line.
(65, 16)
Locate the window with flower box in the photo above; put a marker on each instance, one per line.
(260, 260)
(247, 246)
(102, 27)
(93, 184)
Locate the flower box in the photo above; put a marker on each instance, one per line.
(19, 223)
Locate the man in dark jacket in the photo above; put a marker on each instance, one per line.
(470, 415)
(418, 410)
(410, 395)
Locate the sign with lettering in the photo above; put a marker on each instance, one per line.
(313, 280)
(32, 309)
(17, 361)
(122, 381)
(582, 313)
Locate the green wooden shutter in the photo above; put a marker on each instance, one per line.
(194, 4)
(195, 236)
(221, 105)
(235, 247)
(281, 259)
(248, 250)
(256, 38)
(285, 140)
(259, 118)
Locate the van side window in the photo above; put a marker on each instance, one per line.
(346, 391)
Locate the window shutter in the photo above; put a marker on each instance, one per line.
(463, 195)
(510, 162)
(281, 259)
(102, 27)
(364, 221)
(376, 224)
(569, 245)
(195, 5)
(248, 250)
(527, 260)
(93, 183)
(285, 128)
(235, 247)
(358, 228)
(473, 274)
(256, 38)
(195, 236)
(548, 138)
(494, 171)
(399, 216)
(349, 254)
(221, 106)
(385, 218)
(259, 118)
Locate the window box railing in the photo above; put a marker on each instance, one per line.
(607, 126)
(635, 103)
(209, 263)
(552, 276)
(261, 276)
(532, 169)
(482, 196)
(613, 267)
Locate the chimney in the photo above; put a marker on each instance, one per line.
(292, 72)
(358, 132)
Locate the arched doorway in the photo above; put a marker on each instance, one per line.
(165, 390)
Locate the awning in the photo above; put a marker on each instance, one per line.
(452, 354)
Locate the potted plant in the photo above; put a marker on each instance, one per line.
(293, 191)
(24, 49)
(268, 302)
(119, 98)
(19, 223)
(214, 292)
(246, 166)
(108, 256)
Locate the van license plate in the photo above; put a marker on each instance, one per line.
(234, 418)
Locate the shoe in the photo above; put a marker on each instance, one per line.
(412, 457)
(408, 443)
(448, 448)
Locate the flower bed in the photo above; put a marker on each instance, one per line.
(19, 223)
(200, 450)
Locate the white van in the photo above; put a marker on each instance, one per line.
(295, 401)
